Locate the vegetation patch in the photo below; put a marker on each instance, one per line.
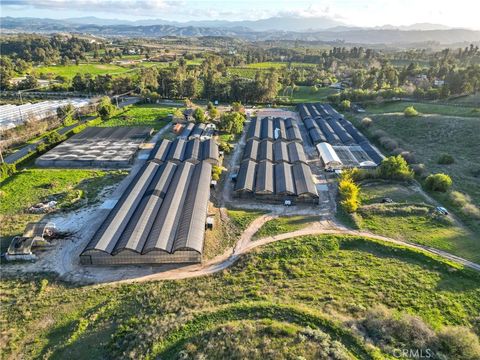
(154, 116)
(283, 225)
(29, 187)
(321, 282)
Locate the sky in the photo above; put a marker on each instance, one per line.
(369, 13)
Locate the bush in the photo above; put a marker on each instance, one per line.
(232, 123)
(394, 167)
(377, 134)
(199, 115)
(418, 169)
(366, 122)
(7, 170)
(409, 157)
(410, 111)
(438, 182)
(388, 143)
(446, 159)
(216, 172)
(345, 105)
(458, 342)
(349, 193)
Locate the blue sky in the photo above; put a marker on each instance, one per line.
(459, 13)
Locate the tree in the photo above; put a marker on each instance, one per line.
(65, 113)
(410, 111)
(30, 82)
(105, 108)
(395, 167)
(237, 106)
(199, 115)
(438, 182)
(216, 172)
(232, 123)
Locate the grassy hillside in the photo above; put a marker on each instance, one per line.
(287, 297)
(431, 135)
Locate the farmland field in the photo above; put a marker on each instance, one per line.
(28, 187)
(306, 94)
(70, 71)
(277, 65)
(142, 115)
(424, 108)
(328, 285)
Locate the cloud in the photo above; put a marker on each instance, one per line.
(135, 6)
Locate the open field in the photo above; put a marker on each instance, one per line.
(70, 71)
(305, 94)
(322, 283)
(70, 188)
(278, 65)
(284, 224)
(410, 218)
(142, 115)
(424, 108)
(430, 136)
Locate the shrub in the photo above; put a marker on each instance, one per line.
(366, 122)
(199, 115)
(409, 157)
(345, 105)
(388, 143)
(349, 194)
(446, 159)
(418, 169)
(410, 111)
(216, 172)
(458, 342)
(394, 167)
(377, 134)
(7, 170)
(438, 182)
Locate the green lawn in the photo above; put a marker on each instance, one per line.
(306, 94)
(283, 225)
(70, 71)
(28, 187)
(142, 115)
(424, 108)
(277, 65)
(318, 286)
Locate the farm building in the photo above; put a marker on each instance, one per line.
(329, 156)
(197, 131)
(274, 166)
(274, 129)
(181, 150)
(326, 125)
(160, 218)
(276, 182)
(97, 147)
(14, 115)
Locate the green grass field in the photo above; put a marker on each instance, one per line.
(278, 65)
(431, 135)
(306, 94)
(70, 71)
(284, 224)
(424, 108)
(410, 218)
(317, 287)
(142, 115)
(28, 187)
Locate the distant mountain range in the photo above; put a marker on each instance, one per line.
(278, 28)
